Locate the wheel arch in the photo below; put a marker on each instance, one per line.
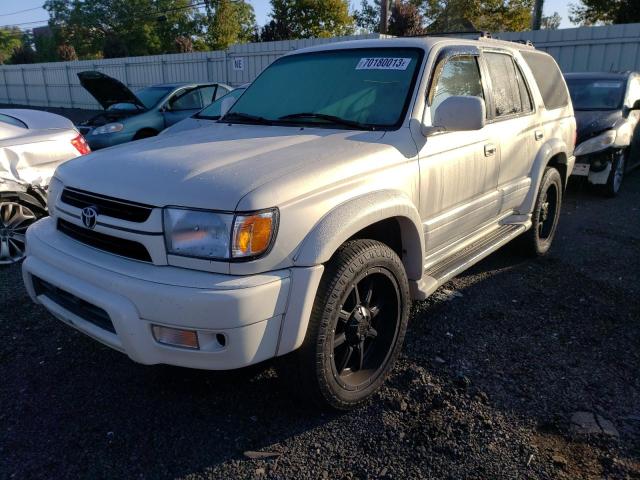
(553, 153)
(386, 216)
(142, 133)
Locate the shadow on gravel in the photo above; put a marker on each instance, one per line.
(494, 365)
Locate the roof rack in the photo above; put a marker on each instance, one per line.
(479, 33)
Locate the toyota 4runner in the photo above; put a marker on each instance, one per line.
(348, 180)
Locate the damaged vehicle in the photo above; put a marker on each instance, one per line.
(131, 116)
(607, 110)
(32, 144)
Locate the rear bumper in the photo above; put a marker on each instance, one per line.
(249, 312)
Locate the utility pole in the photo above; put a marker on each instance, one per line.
(536, 20)
(384, 16)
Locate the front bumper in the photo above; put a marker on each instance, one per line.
(596, 166)
(254, 314)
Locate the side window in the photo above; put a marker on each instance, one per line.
(548, 77)
(525, 96)
(633, 94)
(222, 91)
(459, 76)
(189, 100)
(506, 85)
(207, 94)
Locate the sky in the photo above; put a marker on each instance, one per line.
(262, 8)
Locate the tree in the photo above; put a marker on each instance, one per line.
(368, 17)
(228, 22)
(143, 26)
(551, 22)
(589, 12)
(291, 19)
(67, 53)
(23, 54)
(10, 39)
(114, 47)
(183, 44)
(405, 20)
(492, 15)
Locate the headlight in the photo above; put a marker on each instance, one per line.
(108, 128)
(53, 194)
(218, 236)
(596, 144)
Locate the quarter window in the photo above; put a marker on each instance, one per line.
(459, 76)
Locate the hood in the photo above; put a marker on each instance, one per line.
(107, 90)
(214, 167)
(592, 122)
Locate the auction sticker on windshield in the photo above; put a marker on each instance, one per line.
(383, 63)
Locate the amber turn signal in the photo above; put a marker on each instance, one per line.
(253, 233)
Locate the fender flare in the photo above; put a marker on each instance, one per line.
(554, 147)
(348, 218)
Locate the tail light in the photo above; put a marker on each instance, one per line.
(81, 145)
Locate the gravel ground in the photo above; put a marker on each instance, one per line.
(495, 365)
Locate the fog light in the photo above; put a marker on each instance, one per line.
(175, 337)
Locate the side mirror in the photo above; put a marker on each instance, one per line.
(636, 106)
(226, 105)
(458, 114)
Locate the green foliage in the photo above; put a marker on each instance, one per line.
(291, 19)
(111, 27)
(10, 39)
(589, 12)
(23, 54)
(228, 22)
(368, 17)
(551, 22)
(491, 15)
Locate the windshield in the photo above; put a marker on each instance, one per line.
(359, 88)
(149, 97)
(214, 110)
(596, 94)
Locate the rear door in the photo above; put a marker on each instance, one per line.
(458, 170)
(512, 111)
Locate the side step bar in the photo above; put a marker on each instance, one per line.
(459, 261)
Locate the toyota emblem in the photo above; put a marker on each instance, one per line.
(89, 217)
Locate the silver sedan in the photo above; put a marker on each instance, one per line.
(32, 144)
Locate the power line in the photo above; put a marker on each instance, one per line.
(24, 23)
(20, 11)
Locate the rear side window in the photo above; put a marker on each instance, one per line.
(549, 79)
(459, 76)
(504, 85)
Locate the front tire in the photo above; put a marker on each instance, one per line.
(356, 329)
(614, 182)
(546, 213)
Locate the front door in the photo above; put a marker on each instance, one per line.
(186, 103)
(458, 170)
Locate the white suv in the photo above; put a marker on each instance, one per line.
(346, 181)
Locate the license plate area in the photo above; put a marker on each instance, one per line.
(580, 169)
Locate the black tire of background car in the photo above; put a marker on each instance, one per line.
(537, 240)
(312, 370)
(612, 187)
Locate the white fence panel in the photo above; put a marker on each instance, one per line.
(588, 49)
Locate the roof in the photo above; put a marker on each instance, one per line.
(422, 42)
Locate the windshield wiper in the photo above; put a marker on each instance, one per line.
(245, 118)
(328, 118)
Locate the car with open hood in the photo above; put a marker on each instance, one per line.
(348, 180)
(33, 144)
(607, 110)
(132, 116)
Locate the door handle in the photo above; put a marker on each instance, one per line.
(489, 150)
(539, 135)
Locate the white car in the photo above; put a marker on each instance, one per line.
(209, 114)
(32, 145)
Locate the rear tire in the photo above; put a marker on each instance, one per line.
(537, 240)
(356, 329)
